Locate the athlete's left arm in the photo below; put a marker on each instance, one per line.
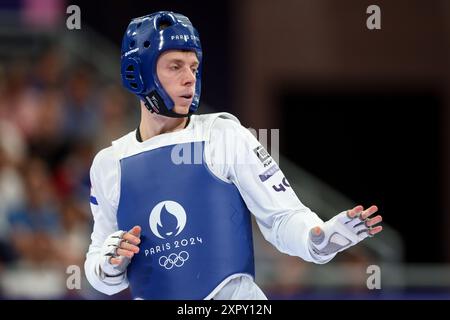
(282, 218)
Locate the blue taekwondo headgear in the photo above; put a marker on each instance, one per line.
(144, 41)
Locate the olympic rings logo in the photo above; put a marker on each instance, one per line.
(173, 260)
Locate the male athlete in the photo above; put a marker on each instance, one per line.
(172, 200)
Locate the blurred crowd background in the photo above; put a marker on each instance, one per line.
(362, 116)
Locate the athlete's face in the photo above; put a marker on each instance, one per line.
(176, 71)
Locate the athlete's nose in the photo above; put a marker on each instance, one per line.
(189, 78)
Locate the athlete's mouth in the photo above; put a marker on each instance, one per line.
(187, 96)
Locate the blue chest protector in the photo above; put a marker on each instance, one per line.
(196, 229)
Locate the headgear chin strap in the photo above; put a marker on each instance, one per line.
(155, 104)
(145, 39)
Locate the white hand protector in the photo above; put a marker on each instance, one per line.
(337, 234)
(109, 273)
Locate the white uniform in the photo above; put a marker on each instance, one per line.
(231, 154)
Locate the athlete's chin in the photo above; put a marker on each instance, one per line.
(182, 109)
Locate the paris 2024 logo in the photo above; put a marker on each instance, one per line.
(167, 220)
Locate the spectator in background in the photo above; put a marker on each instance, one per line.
(48, 142)
(12, 190)
(115, 120)
(81, 107)
(36, 224)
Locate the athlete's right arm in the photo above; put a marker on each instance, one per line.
(110, 249)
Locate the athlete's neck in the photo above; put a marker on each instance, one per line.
(153, 124)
